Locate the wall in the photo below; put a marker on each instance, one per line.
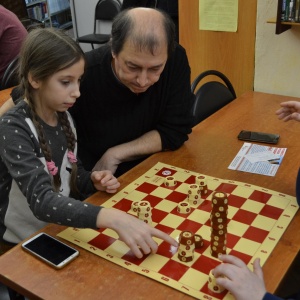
(232, 53)
(277, 57)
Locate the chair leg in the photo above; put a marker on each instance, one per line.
(93, 46)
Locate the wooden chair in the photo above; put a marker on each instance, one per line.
(211, 96)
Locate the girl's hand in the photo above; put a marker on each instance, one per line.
(105, 181)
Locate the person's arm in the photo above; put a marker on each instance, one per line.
(175, 121)
(148, 143)
(290, 110)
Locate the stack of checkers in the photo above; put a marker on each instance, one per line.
(201, 180)
(218, 220)
(186, 246)
(144, 212)
(194, 195)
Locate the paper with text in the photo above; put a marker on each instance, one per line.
(258, 159)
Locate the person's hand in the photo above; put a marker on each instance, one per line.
(108, 161)
(136, 234)
(234, 275)
(290, 110)
(105, 181)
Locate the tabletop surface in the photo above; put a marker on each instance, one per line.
(211, 147)
(4, 95)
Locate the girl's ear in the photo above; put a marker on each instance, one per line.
(34, 83)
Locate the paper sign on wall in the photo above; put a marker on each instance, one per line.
(218, 15)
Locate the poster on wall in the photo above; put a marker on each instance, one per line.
(218, 15)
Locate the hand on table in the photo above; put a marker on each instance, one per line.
(290, 110)
(105, 181)
(239, 280)
(136, 234)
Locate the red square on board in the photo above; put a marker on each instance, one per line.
(146, 188)
(226, 187)
(205, 206)
(236, 201)
(131, 258)
(189, 225)
(191, 180)
(176, 197)
(166, 229)
(244, 216)
(173, 269)
(152, 199)
(271, 212)
(204, 264)
(158, 215)
(255, 234)
(123, 204)
(260, 196)
(164, 249)
(231, 240)
(102, 241)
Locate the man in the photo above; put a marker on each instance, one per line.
(135, 95)
(12, 34)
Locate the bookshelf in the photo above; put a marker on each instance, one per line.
(282, 26)
(54, 13)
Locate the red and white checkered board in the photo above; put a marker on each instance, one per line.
(257, 218)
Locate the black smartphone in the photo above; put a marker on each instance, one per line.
(50, 250)
(261, 137)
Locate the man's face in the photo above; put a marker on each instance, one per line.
(138, 70)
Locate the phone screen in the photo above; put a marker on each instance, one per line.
(261, 137)
(50, 250)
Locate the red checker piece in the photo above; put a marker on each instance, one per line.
(187, 238)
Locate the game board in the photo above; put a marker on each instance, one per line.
(257, 218)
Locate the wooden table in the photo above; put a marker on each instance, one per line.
(4, 95)
(211, 147)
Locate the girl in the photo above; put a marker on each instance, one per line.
(39, 171)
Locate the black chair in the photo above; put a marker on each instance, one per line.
(211, 96)
(10, 76)
(105, 10)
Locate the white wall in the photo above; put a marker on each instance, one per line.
(277, 57)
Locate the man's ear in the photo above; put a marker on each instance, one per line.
(34, 83)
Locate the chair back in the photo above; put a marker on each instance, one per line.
(211, 96)
(106, 10)
(10, 77)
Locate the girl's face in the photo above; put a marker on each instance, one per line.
(59, 92)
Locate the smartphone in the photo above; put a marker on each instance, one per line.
(50, 250)
(261, 137)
